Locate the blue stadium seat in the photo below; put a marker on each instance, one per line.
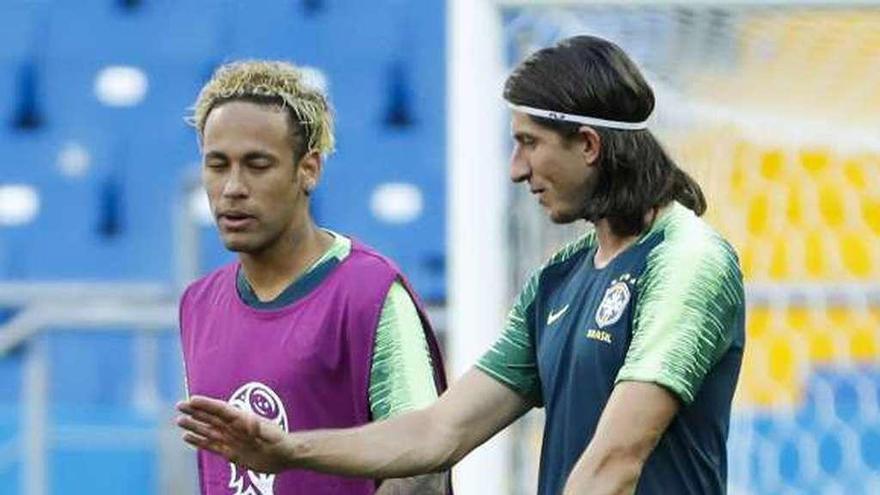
(8, 92)
(161, 30)
(157, 167)
(21, 32)
(70, 99)
(271, 29)
(69, 238)
(343, 203)
(20, 29)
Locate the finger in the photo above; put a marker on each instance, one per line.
(201, 442)
(216, 407)
(205, 443)
(199, 428)
(210, 419)
(188, 407)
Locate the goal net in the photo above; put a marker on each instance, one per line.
(775, 110)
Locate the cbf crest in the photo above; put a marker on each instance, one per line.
(614, 301)
(261, 400)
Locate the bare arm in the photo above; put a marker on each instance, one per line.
(423, 484)
(632, 423)
(429, 440)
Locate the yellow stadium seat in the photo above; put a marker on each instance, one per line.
(863, 344)
(854, 171)
(784, 368)
(799, 318)
(871, 212)
(855, 251)
(815, 162)
(754, 385)
(783, 361)
(822, 347)
(758, 218)
(780, 257)
(758, 322)
(816, 255)
(747, 260)
(794, 204)
(773, 165)
(839, 316)
(831, 204)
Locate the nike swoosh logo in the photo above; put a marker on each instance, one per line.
(553, 316)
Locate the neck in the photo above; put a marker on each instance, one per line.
(611, 244)
(270, 271)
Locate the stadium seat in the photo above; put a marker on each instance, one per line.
(75, 207)
(177, 32)
(156, 170)
(345, 195)
(20, 34)
(71, 96)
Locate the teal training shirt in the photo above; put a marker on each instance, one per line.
(668, 310)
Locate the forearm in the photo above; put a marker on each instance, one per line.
(632, 423)
(605, 475)
(403, 446)
(425, 484)
(424, 441)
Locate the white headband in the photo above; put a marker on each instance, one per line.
(581, 119)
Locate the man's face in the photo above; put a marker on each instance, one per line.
(255, 189)
(560, 172)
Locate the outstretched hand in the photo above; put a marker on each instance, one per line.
(241, 437)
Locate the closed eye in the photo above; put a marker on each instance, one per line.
(215, 163)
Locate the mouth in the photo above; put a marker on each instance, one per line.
(539, 193)
(234, 220)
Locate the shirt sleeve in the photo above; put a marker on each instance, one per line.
(690, 299)
(402, 376)
(511, 360)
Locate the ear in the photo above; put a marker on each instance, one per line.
(591, 142)
(309, 170)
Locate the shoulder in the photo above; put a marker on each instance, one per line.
(692, 265)
(688, 240)
(369, 260)
(209, 283)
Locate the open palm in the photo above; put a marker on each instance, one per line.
(240, 436)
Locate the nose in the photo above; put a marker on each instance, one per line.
(235, 186)
(519, 166)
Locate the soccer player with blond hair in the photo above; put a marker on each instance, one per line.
(308, 329)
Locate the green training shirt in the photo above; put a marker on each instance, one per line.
(668, 310)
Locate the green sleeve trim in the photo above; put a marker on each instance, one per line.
(690, 297)
(525, 391)
(511, 360)
(402, 375)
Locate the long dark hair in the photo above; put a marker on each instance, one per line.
(585, 75)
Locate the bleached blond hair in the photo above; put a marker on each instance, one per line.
(271, 82)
